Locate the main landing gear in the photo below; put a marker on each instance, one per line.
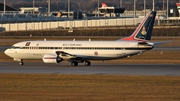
(75, 63)
(87, 63)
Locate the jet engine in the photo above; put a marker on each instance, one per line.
(51, 58)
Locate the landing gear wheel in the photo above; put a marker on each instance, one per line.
(87, 63)
(74, 63)
(21, 63)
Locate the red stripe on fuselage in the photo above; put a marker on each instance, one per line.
(49, 58)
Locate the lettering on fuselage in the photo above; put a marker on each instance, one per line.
(72, 44)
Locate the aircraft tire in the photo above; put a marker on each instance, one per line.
(21, 63)
(87, 63)
(74, 63)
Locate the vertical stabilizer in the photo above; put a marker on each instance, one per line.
(144, 30)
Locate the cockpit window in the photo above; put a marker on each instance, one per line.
(14, 47)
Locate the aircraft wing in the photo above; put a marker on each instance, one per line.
(60, 56)
(63, 53)
(68, 56)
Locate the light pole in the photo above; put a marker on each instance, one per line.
(4, 6)
(49, 6)
(120, 3)
(144, 7)
(163, 4)
(57, 6)
(167, 8)
(68, 8)
(153, 5)
(134, 8)
(33, 6)
(46, 18)
(98, 8)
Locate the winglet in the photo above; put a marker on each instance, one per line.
(144, 31)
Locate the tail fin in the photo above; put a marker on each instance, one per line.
(144, 30)
(178, 5)
(104, 5)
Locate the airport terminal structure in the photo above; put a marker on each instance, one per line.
(38, 18)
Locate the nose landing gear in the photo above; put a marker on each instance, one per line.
(21, 63)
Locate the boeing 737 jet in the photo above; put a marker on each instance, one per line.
(84, 51)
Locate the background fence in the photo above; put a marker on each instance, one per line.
(69, 24)
(81, 24)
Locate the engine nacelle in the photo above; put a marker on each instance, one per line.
(51, 58)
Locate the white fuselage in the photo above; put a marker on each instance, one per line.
(88, 50)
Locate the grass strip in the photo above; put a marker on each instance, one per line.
(59, 87)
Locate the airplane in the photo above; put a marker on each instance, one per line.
(77, 52)
(104, 5)
(110, 10)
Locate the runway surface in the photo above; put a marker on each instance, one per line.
(95, 68)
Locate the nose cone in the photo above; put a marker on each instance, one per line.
(7, 52)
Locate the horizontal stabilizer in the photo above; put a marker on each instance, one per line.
(162, 42)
